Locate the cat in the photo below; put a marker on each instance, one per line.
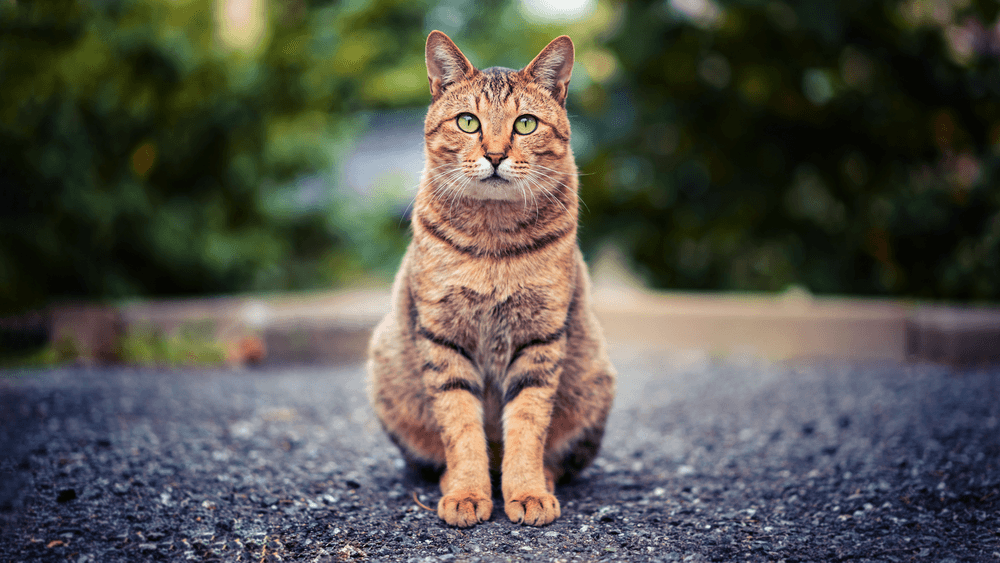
(491, 359)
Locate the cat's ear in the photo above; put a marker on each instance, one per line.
(445, 63)
(552, 67)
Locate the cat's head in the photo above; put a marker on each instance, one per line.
(498, 134)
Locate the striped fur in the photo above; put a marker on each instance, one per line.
(491, 358)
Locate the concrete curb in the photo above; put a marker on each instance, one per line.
(775, 327)
(333, 327)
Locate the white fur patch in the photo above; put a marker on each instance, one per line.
(546, 73)
(481, 188)
(451, 68)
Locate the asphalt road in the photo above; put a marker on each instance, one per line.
(704, 460)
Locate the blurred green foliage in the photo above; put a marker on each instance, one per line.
(139, 145)
(165, 147)
(847, 147)
(190, 345)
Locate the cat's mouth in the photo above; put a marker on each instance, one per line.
(492, 187)
(495, 178)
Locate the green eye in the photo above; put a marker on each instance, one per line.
(468, 123)
(526, 124)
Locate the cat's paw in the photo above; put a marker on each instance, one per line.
(465, 509)
(536, 508)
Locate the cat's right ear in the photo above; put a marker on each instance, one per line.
(445, 63)
(552, 68)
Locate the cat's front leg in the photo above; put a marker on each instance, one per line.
(456, 394)
(528, 395)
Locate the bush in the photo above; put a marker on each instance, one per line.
(848, 147)
(158, 147)
(143, 144)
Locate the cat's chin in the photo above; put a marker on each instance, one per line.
(493, 189)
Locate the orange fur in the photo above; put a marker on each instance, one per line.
(491, 357)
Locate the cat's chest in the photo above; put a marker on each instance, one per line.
(490, 324)
(486, 315)
(490, 306)
(497, 326)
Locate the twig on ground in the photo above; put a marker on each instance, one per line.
(420, 504)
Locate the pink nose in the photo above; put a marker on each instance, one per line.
(495, 158)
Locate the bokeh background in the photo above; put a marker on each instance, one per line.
(189, 147)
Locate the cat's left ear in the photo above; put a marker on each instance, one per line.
(552, 67)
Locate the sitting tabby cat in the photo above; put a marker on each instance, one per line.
(491, 356)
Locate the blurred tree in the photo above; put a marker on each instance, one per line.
(846, 147)
(141, 141)
(152, 147)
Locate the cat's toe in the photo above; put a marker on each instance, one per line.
(534, 509)
(465, 509)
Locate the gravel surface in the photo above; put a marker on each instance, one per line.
(704, 460)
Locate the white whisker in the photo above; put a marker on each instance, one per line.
(449, 171)
(522, 182)
(534, 178)
(444, 182)
(430, 182)
(577, 173)
(461, 189)
(456, 191)
(542, 174)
